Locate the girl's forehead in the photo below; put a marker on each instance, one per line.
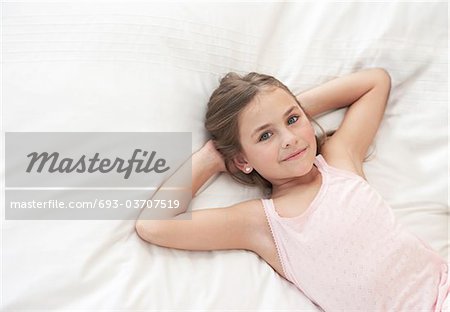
(269, 102)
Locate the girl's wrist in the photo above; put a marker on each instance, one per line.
(203, 168)
(201, 160)
(209, 158)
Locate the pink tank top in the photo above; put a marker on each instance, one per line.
(347, 252)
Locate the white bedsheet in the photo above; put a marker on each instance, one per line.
(120, 66)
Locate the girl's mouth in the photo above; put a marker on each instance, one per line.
(296, 154)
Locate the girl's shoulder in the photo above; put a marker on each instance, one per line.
(338, 157)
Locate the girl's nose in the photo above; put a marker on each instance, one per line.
(289, 138)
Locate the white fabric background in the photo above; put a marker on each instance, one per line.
(79, 66)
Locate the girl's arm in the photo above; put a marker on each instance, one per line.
(366, 93)
(344, 91)
(231, 227)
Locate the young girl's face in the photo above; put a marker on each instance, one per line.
(272, 128)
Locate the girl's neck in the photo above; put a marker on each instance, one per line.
(296, 184)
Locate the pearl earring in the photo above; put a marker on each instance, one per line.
(248, 169)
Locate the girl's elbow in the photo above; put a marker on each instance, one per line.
(143, 231)
(383, 77)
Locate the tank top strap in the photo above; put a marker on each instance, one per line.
(268, 207)
(320, 162)
(330, 171)
(276, 231)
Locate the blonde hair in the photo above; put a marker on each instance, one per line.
(226, 103)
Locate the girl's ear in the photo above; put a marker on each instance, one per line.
(241, 163)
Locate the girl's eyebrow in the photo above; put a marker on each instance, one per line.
(267, 125)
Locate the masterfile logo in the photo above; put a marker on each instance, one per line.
(93, 164)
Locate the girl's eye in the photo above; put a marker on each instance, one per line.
(292, 120)
(264, 136)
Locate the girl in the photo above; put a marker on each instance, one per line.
(322, 227)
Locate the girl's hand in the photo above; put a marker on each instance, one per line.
(211, 157)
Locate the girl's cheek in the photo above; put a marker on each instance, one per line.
(309, 130)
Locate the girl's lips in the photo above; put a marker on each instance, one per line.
(296, 155)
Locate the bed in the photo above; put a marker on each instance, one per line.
(151, 67)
